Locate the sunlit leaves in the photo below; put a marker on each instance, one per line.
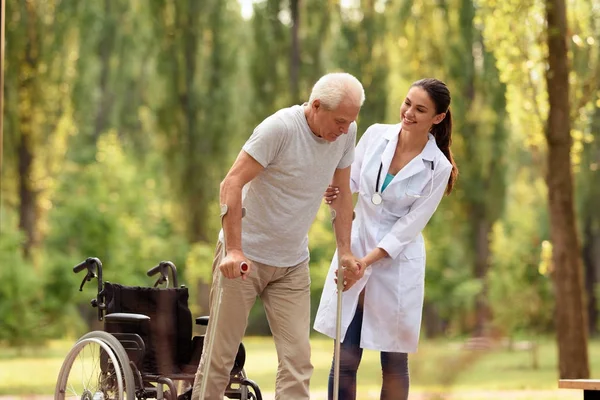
(514, 31)
(518, 280)
(361, 50)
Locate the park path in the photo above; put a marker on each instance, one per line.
(557, 394)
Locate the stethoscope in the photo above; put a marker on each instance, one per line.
(377, 199)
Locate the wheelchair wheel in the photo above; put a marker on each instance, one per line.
(96, 368)
(249, 389)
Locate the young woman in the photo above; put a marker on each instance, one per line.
(401, 173)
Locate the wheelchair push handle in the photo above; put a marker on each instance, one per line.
(94, 270)
(88, 263)
(163, 268)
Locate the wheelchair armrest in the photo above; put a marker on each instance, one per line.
(202, 320)
(126, 317)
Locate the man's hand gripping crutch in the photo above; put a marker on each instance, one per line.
(349, 271)
(232, 266)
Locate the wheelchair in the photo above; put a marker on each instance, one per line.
(146, 350)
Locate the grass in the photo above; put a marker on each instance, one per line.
(439, 366)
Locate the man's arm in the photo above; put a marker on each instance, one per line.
(343, 227)
(343, 210)
(244, 169)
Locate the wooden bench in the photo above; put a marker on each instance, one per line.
(590, 387)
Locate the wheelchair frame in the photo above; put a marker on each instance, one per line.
(121, 355)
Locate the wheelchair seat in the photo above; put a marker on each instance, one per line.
(167, 334)
(166, 331)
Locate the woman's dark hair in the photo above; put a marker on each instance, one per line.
(440, 95)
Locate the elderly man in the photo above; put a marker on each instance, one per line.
(279, 177)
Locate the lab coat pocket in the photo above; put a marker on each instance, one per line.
(398, 206)
(412, 251)
(412, 270)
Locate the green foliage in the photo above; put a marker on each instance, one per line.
(514, 32)
(20, 292)
(449, 285)
(268, 60)
(117, 210)
(361, 50)
(520, 287)
(114, 210)
(195, 63)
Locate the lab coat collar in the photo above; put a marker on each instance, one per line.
(430, 150)
(392, 132)
(417, 164)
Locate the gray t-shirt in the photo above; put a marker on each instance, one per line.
(282, 201)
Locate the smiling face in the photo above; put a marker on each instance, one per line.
(418, 112)
(331, 124)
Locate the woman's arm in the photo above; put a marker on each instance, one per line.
(375, 255)
(406, 229)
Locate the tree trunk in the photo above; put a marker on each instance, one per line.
(105, 49)
(196, 197)
(591, 262)
(590, 215)
(25, 149)
(2, 35)
(433, 323)
(196, 201)
(571, 313)
(481, 211)
(482, 257)
(27, 195)
(295, 51)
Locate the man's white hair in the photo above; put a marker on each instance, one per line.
(333, 88)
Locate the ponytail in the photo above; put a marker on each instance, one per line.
(440, 95)
(443, 138)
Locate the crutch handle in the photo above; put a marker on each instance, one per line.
(244, 268)
(215, 307)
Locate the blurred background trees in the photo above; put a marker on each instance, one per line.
(122, 116)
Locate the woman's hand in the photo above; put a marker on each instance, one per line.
(349, 279)
(331, 194)
(354, 269)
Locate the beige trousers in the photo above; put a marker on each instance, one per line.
(285, 292)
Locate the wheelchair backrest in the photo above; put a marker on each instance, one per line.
(167, 337)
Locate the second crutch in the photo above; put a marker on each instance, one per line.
(216, 307)
(338, 320)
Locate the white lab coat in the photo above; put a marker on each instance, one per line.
(394, 286)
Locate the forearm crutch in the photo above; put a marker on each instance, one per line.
(216, 307)
(338, 320)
